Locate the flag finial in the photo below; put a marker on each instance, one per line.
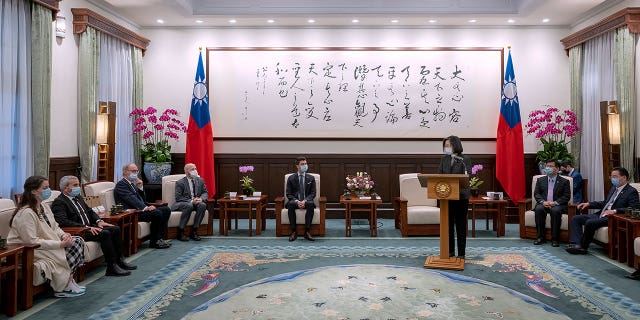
(509, 47)
(200, 48)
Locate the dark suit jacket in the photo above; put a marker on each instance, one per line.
(457, 167)
(293, 186)
(561, 190)
(183, 191)
(125, 194)
(577, 186)
(66, 215)
(628, 197)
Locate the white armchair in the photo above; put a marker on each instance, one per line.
(528, 216)
(415, 214)
(636, 250)
(169, 196)
(318, 222)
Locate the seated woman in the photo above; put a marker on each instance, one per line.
(59, 253)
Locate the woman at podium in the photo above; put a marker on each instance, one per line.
(455, 162)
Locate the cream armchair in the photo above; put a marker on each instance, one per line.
(169, 196)
(282, 213)
(415, 214)
(528, 216)
(636, 250)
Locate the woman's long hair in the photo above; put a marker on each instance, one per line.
(28, 199)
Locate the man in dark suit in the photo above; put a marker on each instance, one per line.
(70, 210)
(567, 169)
(301, 190)
(552, 195)
(191, 195)
(129, 192)
(620, 197)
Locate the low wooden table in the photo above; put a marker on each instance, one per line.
(128, 223)
(622, 232)
(239, 204)
(356, 204)
(499, 213)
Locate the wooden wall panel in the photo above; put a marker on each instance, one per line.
(60, 167)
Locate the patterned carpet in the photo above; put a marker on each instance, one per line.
(206, 275)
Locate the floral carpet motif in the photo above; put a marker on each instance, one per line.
(206, 273)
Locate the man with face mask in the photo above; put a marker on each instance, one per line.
(567, 169)
(70, 210)
(301, 190)
(129, 192)
(620, 197)
(552, 196)
(191, 195)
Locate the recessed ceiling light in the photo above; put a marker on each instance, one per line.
(433, 21)
(355, 20)
(160, 21)
(311, 21)
(473, 21)
(198, 21)
(233, 21)
(394, 21)
(545, 20)
(511, 21)
(271, 21)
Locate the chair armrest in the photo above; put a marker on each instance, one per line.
(279, 199)
(157, 203)
(322, 199)
(75, 231)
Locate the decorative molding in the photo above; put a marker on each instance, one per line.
(53, 5)
(629, 17)
(83, 17)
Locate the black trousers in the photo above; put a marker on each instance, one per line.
(159, 219)
(541, 220)
(110, 242)
(308, 217)
(458, 220)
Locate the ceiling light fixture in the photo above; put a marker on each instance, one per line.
(433, 21)
(233, 21)
(311, 21)
(160, 21)
(271, 21)
(473, 21)
(511, 21)
(199, 21)
(355, 20)
(545, 20)
(395, 21)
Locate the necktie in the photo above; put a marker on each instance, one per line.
(610, 202)
(301, 182)
(81, 213)
(550, 189)
(193, 188)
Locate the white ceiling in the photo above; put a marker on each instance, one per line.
(341, 13)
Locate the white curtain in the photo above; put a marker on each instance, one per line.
(115, 83)
(16, 154)
(598, 84)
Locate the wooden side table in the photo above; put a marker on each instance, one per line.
(355, 204)
(239, 204)
(9, 269)
(622, 232)
(128, 223)
(499, 213)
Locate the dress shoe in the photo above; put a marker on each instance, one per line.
(308, 236)
(539, 241)
(182, 237)
(125, 265)
(576, 250)
(634, 276)
(195, 237)
(114, 270)
(161, 244)
(555, 243)
(293, 236)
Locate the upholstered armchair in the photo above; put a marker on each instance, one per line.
(636, 250)
(169, 196)
(282, 215)
(415, 214)
(604, 234)
(528, 216)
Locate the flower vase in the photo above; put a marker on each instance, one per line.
(475, 192)
(154, 171)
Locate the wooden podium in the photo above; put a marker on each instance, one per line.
(444, 187)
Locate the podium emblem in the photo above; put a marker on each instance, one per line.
(443, 189)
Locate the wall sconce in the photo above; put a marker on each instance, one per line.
(614, 122)
(61, 26)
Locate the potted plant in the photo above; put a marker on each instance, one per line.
(155, 132)
(361, 183)
(554, 128)
(246, 182)
(475, 182)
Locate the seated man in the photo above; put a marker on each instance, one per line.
(300, 191)
(620, 197)
(552, 196)
(70, 210)
(567, 169)
(129, 192)
(191, 194)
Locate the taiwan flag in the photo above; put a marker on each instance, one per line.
(200, 132)
(509, 144)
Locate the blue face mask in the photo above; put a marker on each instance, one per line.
(548, 171)
(133, 177)
(448, 150)
(194, 174)
(46, 193)
(304, 168)
(75, 191)
(615, 182)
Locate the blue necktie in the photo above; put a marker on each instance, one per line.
(301, 182)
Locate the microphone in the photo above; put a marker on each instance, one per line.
(461, 160)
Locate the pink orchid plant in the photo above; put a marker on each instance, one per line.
(554, 128)
(246, 181)
(156, 132)
(475, 182)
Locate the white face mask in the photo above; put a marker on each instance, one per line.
(194, 174)
(448, 150)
